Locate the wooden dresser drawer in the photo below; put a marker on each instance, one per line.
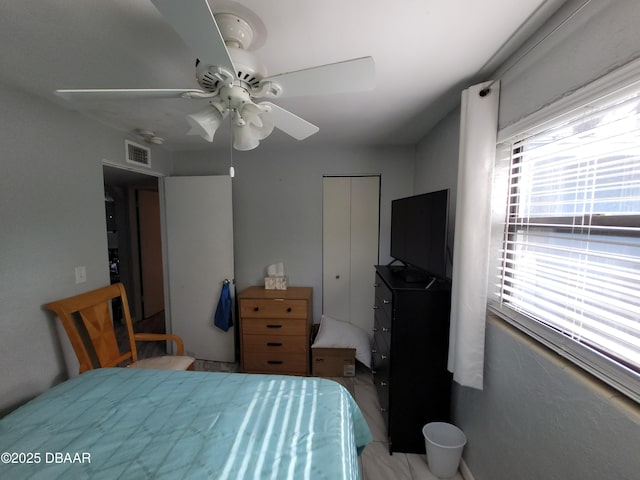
(275, 326)
(275, 343)
(273, 308)
(267, 362)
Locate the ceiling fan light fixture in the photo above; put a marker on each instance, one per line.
(245, 138)
(205, 123)
(252, 114)
(248, 137)
(264, 130)
(232, 76)
(237, 119)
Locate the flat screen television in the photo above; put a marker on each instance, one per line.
(419, 233)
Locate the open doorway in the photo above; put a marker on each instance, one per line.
(132, 209)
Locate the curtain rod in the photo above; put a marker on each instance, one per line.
(485, 91)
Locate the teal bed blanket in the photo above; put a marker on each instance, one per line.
(152, 424)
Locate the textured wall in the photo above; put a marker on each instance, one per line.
(52, 219)
(277, 204)
(437, 167)
(539, 417)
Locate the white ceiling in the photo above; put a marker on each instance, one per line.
(425, 52)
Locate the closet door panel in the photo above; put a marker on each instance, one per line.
(350, 247)
(365, 201)
(336, 244)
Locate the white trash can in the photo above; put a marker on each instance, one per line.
(444, 443)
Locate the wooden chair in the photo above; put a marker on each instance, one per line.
(88, 322)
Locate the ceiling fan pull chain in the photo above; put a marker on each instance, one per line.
(232, 171)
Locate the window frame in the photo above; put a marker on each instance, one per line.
(602, 91)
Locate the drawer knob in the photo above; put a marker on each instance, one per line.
(383, 410)
(271, 325)
(255, 309)
(376, 307)
(373, 350)
(275, 362)
(375, 329)
(289, 309)
(383, 357)
(386, 329)
(274, 344)
(383, 384)
(386, 302)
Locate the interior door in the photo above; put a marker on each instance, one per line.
(150, 252)
(351, 207)
(199, 253)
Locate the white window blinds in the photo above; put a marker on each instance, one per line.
(570, 257)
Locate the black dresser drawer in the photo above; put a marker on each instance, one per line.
(382, 330)
(383, 298)
(380, 362)
(409, 354)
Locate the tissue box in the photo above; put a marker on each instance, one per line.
(275, 283)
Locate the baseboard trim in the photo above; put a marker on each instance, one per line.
(464, 470)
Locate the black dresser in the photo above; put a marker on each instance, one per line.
(409, 356)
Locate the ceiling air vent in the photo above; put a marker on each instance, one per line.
(137, 154)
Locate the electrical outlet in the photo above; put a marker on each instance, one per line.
(81, 274)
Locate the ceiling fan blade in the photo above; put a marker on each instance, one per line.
(125, 94)
(289, 123)
(355, 75)
(196, 25)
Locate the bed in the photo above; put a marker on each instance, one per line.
(129, 423)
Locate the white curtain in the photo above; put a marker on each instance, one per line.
(478, 131)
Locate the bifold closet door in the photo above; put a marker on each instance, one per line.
(351, 211)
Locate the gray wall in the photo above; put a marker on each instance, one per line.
(539, 417)
(277, 204)
(52, 212)
(53, 219)
(437, 167)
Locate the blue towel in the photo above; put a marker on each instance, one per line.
(222, 318)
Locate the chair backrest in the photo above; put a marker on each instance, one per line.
(88, 321)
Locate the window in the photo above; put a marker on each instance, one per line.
(568, 268)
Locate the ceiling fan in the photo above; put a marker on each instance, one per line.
(232, 78)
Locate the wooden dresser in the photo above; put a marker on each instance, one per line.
(275, 327)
